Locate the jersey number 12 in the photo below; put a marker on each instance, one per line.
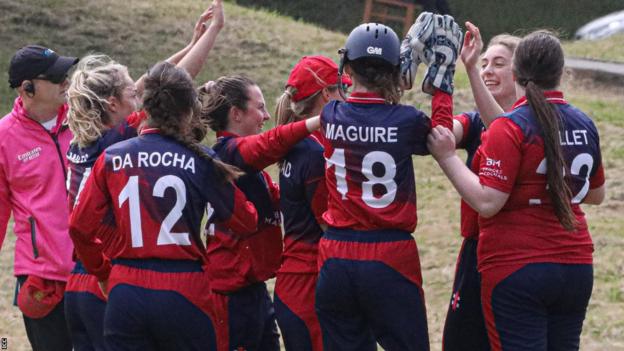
(130, 192)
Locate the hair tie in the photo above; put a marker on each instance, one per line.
(210, 84)
(288, 93)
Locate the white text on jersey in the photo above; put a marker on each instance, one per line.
(154, 159)
(361, 133)
(573, 137)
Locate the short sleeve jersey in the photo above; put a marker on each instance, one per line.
(303, 200)
(369, 171)
(511, 160)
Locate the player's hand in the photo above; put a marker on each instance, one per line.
(219, 15)
(441, 143)
(473, 44)
(415, 48)
(447, 40)
(104, 287)
(200, 25)
(214, 12)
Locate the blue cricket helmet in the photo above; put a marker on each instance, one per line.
(373, 40)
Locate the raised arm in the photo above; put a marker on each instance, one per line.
(199, 31)
(486, 104)
(196, 57)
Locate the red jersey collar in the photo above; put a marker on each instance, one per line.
(224, 133)
(366, 98)
(552, 96)
(148, 130)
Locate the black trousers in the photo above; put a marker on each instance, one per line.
(49, 333)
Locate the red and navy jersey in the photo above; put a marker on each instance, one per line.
(368, 149)
(158, 191)
(303, 200)
(238, 262)
(473, 126)
(81, 160)
(511, 160)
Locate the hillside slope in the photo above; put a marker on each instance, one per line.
(138, 33)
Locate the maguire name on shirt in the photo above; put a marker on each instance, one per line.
(361, 133)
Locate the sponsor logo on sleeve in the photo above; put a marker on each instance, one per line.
(492, 169)
(30, 155)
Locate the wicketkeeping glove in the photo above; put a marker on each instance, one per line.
(446, 41)
(417, 40)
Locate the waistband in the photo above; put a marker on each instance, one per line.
(160, 265)
(367, 236)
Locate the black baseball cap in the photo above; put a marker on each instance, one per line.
(33, 61)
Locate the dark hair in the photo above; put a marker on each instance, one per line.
(170, 101)
(218, 97)
(379, 76)
(538, 66)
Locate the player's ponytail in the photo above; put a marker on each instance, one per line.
(96, 78)
(538, 66)
(171, 103)
(288, 111)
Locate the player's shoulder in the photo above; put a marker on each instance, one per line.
(521, 117)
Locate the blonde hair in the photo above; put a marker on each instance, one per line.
(96, 78)
(507, 40)
(288, 111)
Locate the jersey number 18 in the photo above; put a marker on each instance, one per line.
(337, 160)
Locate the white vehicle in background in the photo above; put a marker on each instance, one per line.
(602, 27)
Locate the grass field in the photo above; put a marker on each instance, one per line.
(610, 49)
(265, 46)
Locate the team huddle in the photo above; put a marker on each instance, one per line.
(166, 243)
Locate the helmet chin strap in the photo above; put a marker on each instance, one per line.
(341, 90)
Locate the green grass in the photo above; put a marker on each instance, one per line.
(265, 46)
(609, 49)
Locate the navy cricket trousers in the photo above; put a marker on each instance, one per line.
(536, 307)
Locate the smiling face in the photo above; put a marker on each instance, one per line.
(497, 74)
(251, 120)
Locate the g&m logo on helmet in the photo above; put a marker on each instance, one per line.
(372, 50)
(47, 52)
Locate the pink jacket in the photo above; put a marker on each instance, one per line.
(33, 164)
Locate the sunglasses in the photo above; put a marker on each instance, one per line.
(53, 79)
